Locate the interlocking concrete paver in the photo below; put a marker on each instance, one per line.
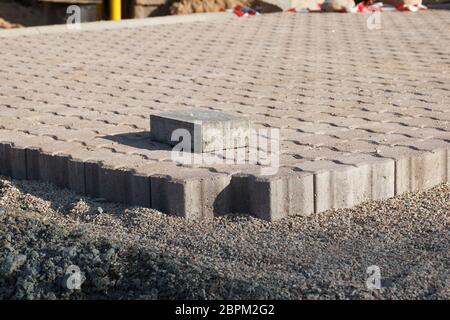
(363, 114)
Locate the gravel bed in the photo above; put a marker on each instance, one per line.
(137, 253)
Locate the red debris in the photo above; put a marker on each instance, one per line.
(243, 11)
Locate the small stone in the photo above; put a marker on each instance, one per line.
(13, 262)
(137, 283)
(100, 210)
(6, 245)
(97, 260)
(109, 254)
(72, 251)
(51, 296)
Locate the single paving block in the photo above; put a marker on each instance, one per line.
(32, 156)
(139, 190)
(5, 159)
(341, 185)
(54, 168)
(18, 161)
(113, 184)
(376, 175)
(76, 175)
(417, 170)
(200, 130)
(191, 196)
(428, 170)
(274, 197)
(91, 174)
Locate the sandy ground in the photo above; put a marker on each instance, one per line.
(126, 252)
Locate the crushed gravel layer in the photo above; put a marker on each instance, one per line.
(137, 253)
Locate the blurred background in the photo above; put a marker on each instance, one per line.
(16, 13)
(22, 13)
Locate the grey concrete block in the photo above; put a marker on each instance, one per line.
(113, 184)
(343, 185)
(33, 171)
(59, 169)
(418, 168)
(167, 196)
(402, 175)
(17, 156)
(428, 170)
(76, 175)
(209, 130)
(216, 195)
(5, 158)
(323, 191)
(92, 176)
(383, 179)
(274, 197)
(333, 184)
(240, 193)
(350, 186)
(263, 199)
(139, 190)
(54, 168)
(191, 197)
(421, 171)
(376, 176)
(361, 182)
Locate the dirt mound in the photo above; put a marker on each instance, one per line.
(338, 5)
(197, 6)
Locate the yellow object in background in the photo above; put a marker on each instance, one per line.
(115, 7)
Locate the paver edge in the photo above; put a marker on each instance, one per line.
(111, 25)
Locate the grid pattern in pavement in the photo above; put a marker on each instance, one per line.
(74, 109)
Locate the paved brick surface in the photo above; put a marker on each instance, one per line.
(364, 114)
